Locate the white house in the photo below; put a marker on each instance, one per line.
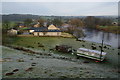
(12, 32)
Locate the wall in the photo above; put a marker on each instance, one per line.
(47, 34)
(40, 33)
(53, 33)
(35, 33)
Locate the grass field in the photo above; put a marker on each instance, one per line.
(50, 42)
(44, 44)
(47, 43)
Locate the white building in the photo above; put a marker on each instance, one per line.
(12, 32)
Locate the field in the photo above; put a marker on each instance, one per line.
(19, 64)
(44, 44)
(58, 65)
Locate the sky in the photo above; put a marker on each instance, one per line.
(76, 8)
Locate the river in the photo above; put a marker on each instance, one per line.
(96, 36)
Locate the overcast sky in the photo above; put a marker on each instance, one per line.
(60, 8)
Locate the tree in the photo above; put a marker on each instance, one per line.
(6, 25)
(78, 33)
(41, 22)
(27, 22)
(76, 22)
(57, 22)
(75, 28)
(105, 22)
(90, 22)
(70, 29)
(48, 22)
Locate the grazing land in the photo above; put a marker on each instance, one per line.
(19, 64)
(58, 65)
(44, 44)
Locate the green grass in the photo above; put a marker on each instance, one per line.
(24, 28)
(50, 42)
(113, 29)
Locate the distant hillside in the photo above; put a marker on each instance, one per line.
(21, 17)
(18, 17)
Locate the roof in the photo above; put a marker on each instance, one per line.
(21, 25)
(38, 28)
(15, 28)
(43, 29)
(95, 51)
(51, 27)
(47, 31)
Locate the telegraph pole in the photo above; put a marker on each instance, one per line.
(102, 46)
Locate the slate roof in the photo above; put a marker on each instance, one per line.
(42, 29)
(21, 25)
(47, 31)
(38, 28)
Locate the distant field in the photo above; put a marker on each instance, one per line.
(113, 29)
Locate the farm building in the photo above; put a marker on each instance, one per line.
(52, 27)
(37, 25)
(12, 32)
(45, 31)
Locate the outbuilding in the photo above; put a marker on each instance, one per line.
(12, 32)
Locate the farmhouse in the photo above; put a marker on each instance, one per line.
(45, 31)
(37, 25)
(12, 32)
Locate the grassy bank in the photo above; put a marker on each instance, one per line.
(113, 29)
